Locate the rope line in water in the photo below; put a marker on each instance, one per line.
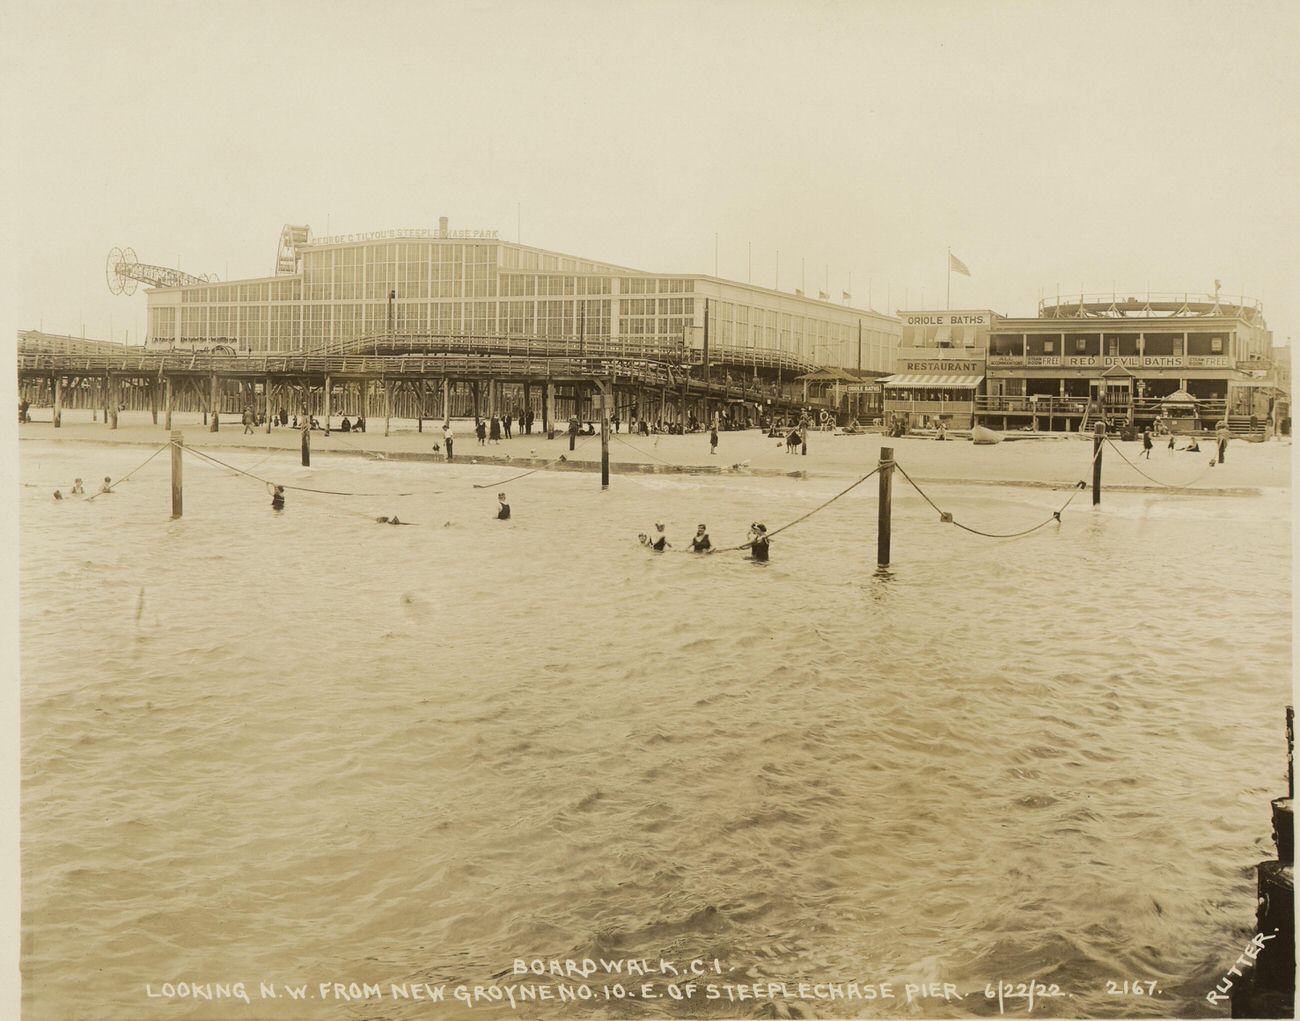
(268, 482)
(805, 517)
(1158, 482)
(113, 485)
(645, 453)
(532, 471)
(1078, 487)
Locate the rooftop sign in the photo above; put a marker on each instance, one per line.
(946, 319)
(409, 232)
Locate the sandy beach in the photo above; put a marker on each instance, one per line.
(1049, 460)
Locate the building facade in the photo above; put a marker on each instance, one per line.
(1133, 361)
(472, 284)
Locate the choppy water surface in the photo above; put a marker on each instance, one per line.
(307, 747)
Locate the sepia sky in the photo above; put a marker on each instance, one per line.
(1073, 145)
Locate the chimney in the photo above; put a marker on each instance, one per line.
(442, 226)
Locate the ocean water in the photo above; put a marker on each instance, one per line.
(307, 748)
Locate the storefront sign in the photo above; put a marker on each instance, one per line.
(858, 388)
(1105, 361)
(947, 319)
(941, 364)
(1051, 360)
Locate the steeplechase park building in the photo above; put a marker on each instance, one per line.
(1171, 359)
(336, 292)
(680, 347)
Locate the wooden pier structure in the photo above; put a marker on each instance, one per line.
(418, 377)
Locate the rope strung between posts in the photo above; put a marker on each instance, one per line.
(805, 517)
(268, 482)
(531, 471)
(645, 453)
(113, 485)
(1158, 482)
(1077, 488)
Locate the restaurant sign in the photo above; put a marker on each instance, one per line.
(941, 365)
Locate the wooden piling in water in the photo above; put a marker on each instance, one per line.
(110, 413)
(1099, 436)
(388, 406)
(885, 510)
(446, 402)
(178, 447)
(58, 401)
(270, 409)
(306, 442)
(153, 399)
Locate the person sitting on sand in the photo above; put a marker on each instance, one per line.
(390, 521)
(346, 426)
(503, 512)
(757, 543)
(359, 426)
(1192, 445)
(76, 488)
(107, 487)
(700, 541)
(792, 441)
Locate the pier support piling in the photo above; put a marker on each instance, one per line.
(58, 401)
(169, 403)
(216, 404)
(885, 510)
(328, 387)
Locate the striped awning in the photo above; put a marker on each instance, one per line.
(933, 381)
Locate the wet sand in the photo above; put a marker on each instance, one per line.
(1052, 460)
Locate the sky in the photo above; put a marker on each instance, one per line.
(1093, 146)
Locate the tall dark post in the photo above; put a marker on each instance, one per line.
(707, 374)
(1098, 438)
(886, 468)
(216, 405)
(178, 446)
(306, 439)
(604, 436)
(860, 343)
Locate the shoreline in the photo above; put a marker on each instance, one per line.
(1249, 469)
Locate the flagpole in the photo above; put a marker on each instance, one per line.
(948, 300)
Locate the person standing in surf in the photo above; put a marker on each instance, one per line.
(758, 541)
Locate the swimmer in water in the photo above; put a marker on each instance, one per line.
(58, 495)
(758, 542)
(107, 487)
(658, 539)
(700, 541)
(391, 521)
(277, 499)
(76, 488)
(503, 512)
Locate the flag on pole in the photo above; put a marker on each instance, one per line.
(957, 266)
(798, 292)
(823, 296)
(845, 296)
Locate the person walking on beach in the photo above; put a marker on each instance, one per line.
(503, 512)
(1146, 444)
(505, 424)
(248, 421)
(494, 433)
(480, 430)
(447, 438)
(1222, 434)
(713, 440)
(528, 421)
(700, 540)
